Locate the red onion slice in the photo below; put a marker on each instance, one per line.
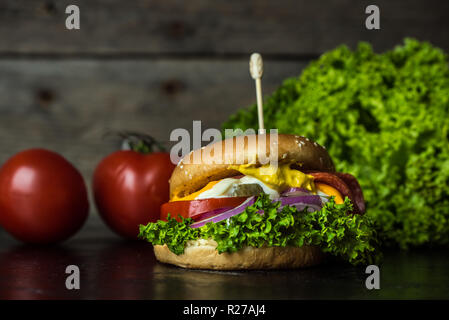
(295, 192)
(301, 206)
(311, 202)
(307, 199)
(212, 213)
(227, 214)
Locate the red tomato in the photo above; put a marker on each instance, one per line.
(129, 188)
(195, 208)
(43, 197)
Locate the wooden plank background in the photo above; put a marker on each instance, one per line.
(205, 27)
(156, 65)
(68, 105)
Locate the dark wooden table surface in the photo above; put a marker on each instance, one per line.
(112, 268)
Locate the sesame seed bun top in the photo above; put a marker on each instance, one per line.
(212, 162)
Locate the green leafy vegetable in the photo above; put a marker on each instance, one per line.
(351, 237)
(171, 232)
(385, 119)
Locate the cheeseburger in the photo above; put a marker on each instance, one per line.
(265, 202)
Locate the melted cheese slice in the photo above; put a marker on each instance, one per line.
(224, 188)
(272, 180)
(330, 191)
(193, 196)
(280, 177)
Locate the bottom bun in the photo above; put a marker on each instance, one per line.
(201, 254)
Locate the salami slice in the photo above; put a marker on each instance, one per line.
(356, 190)
(333, 181)
(350, 189)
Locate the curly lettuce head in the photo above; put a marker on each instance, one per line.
(385, 119)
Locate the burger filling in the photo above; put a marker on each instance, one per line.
(222, 199)
(267, 179)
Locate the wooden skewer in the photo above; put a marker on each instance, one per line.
(256, 71)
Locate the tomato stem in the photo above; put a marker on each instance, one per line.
(140, 142)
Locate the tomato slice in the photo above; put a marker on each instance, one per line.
(195, 208)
